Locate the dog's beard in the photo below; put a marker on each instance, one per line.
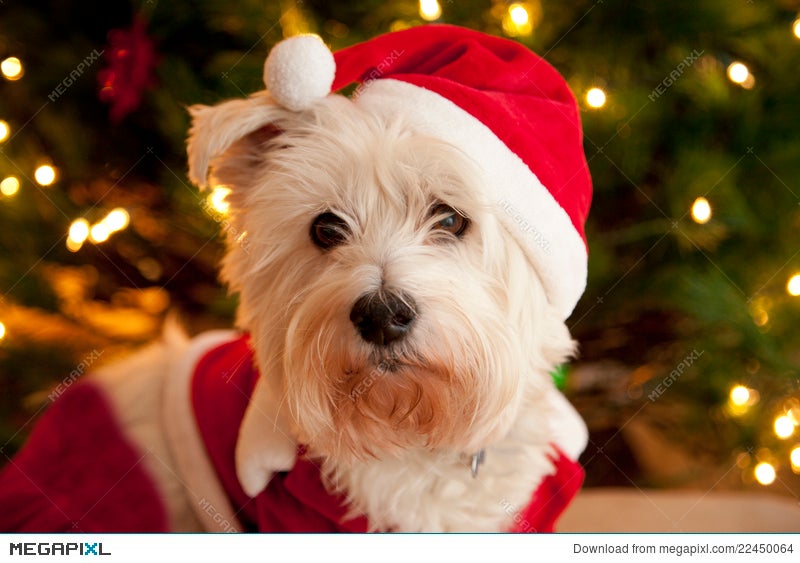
(445, 386)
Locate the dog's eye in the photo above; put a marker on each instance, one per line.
(448, 219)
(329, 230)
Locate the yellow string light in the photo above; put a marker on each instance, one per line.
(5, 130)
(794, 457)
(740, 400)
(2, 331)
(116, 220)
(765, 473)
(77, 234)
(596, 97)
(217, 201)
(520, 17)
(45, 175)
(9, 186)
(79, 230)
(701, 211)
(783, 426)
(519, 14)
(738, 73)
(792, 409)
(12, 68)
(796, 28)
(740, 395)
(760, 316)
(99, 233)
(430, 10)
(793, 285)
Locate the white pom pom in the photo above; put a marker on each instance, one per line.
(299, 71)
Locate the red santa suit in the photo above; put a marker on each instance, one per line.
(80, 473)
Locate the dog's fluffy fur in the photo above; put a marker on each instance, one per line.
(394, 427)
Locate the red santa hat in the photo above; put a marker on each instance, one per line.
(501, 104)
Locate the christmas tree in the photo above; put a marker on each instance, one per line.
(686, 330)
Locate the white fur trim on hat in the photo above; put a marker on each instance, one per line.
(525, 206)
(299, 71)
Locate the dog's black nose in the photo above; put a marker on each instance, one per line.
(382, 318)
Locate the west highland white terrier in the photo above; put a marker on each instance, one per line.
(405, 261)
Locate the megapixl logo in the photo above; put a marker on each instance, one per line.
(46, 548)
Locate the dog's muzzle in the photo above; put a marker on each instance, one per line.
(383, 317)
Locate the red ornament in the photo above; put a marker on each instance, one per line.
(131, 61)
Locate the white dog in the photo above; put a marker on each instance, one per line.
(403, 294)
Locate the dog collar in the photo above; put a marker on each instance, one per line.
(477, 460)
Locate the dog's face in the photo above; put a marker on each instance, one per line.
(387, 304)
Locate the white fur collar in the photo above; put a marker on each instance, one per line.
(266, 444)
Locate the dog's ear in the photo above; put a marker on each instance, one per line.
(215, 128)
